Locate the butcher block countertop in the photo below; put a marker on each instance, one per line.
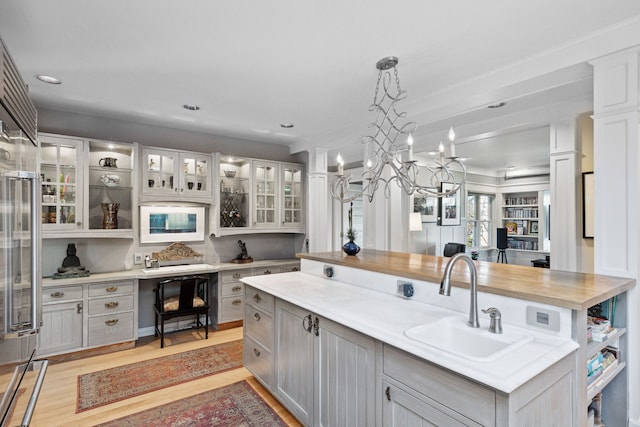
(577, 291)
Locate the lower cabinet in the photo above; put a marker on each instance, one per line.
(61, 320)
(76, 317)
(324, 372)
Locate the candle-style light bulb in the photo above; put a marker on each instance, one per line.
(410, 144)
(452, 137)
(340, 164)
(441, 149)
(369, 164)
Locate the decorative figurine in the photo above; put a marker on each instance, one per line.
(71, 266)
(243, 257)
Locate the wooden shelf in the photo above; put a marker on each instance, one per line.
(607, 376)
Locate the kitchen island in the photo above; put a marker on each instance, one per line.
(363, 327)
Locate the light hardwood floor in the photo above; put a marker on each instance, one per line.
(57, 402)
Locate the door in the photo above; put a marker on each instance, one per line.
(294, 360)
(61, 327)
(159, 172)
(292, 195)
(264, 194)
(345, 377)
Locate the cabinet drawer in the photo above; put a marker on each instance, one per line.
(469, 398)
(110, 329)
(114, 304)
(110, 288)
(259, 325)
(258, 299)
(231, 289)
(259, 361)
(235, 275)
(231, 308)
(63, 293)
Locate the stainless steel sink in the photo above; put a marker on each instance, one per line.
(451, 334)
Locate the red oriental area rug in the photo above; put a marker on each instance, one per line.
(231, 406)
(115, 384)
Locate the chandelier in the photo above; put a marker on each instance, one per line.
(389, 146)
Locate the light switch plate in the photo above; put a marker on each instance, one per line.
(137, 258)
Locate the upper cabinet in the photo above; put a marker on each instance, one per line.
(258, 196)
(61, 160)
(87, 188)
(175, 175)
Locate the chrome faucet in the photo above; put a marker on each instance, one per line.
(445, 285)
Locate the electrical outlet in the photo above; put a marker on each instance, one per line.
(544, 318)
(137, 258)
(405, 289)
(328, 271)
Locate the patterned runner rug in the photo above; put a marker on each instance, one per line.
(231, 406)
(115, 384)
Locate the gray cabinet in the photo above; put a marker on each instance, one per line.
(259, 335)
(61, 320)
(111, 312)
(325, 372)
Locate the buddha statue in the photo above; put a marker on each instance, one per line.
(71, 263)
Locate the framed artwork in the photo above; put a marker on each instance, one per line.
(426, 206)
(449, 209)
(512, 228)
(587, 205)
(533, 227)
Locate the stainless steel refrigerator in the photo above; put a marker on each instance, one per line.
(20, 248)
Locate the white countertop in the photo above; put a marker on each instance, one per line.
(160, 272)
(385, 318)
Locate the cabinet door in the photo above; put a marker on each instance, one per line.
(60, 167)
(402, 409)
(346, 377)
(196, 175)
(265, 183)
(292, 195)
(294, 360)
(61, 328)
(160, 169)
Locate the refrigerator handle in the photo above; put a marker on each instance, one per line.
(36, 278)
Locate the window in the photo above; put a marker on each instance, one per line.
(479, 208)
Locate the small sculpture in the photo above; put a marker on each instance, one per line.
(71, 266)
(243, 257)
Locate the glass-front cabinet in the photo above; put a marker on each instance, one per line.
(258, 196)
(60, 169)
(234, 183)
(292, 195)
(169, 174)
(265, 184)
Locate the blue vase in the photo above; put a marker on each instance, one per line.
(350, 248)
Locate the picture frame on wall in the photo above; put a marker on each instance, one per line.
(587, 205)
(449, 208)
(426, 206)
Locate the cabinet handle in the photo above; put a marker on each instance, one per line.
(294, 269)
(79, 223)
(111, 322)
(111, 304)
(257, 317)
(257, 298)
(236, 302)
(237, 275)
(256, 352)
(306, 326)
(236, 288)
(112, 289)
(388, 393)
(316, 326)
(267, 272)
(57, 294)
(79, 307)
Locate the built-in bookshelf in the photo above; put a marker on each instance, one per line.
(522, 216)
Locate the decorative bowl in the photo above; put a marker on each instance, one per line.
(230, 173)
(110, 180)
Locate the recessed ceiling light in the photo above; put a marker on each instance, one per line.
(286, 125)
(48, 79)
(498, 105)
(190, 107)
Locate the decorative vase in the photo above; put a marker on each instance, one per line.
(350, 248)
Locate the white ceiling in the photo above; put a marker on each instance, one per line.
(252, 65)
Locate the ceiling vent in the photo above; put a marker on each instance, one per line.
(14, 96)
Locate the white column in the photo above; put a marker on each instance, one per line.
(564, 180)
(318, 202)
(617, 190)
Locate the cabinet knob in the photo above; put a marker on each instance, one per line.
(306, 323)
(112, 289)
(387, 392)
(257, 316)
(237, 275)
(111, 322)
(57, 294)
(256, 352)
(316, 326)
(111, 304)
(79, 308)
(257, 298)
(236, 288)
(267, 272)
(236, 302)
